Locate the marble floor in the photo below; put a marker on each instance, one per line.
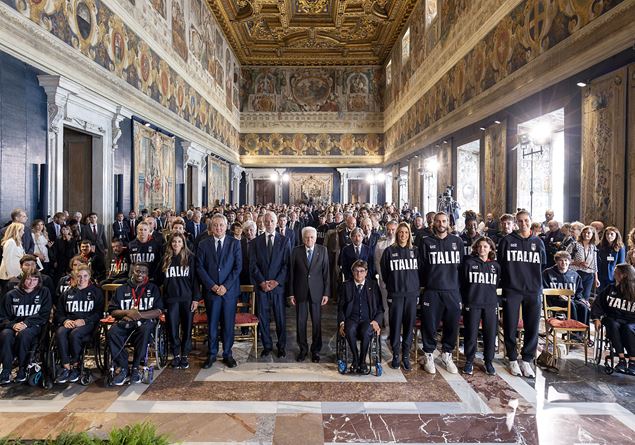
(280, 401)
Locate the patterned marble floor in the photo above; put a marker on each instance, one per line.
(279, 401)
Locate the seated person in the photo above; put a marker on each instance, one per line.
(136, 306)
(65, 282)
(77, 314)
(561, 277)
(360, 313)
(28, 264)
(95, 259)
(119, 264)
(24, 312)
(615, 309)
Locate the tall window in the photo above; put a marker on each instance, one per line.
(431, 11)
(540, 155)
(405, 46)
(429, 183)
(389, 72)
(468, 162)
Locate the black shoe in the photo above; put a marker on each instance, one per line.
(209, 362)
(315, 358)
(265, 353)
(631, 367)
(176, 362)
(621, 366)
(282, 353)
(62, 377)
(468, 368)
(74, 375)
(354, 369)
(362, 369)
(135, 377)
(301, 357)
(21, 376)
(406, 364)
(185, 363)
(395, 362)
(5, 377)
(489, 368)
(230, 362)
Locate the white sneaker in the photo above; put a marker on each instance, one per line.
(446, 359)
(428, 364)
(526, 368)
(514, 369)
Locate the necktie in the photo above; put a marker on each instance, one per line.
(359, 288)
(132, 227)
(195, 230)
(310, 256)
(357, 252)
(57, 230)
(95, 231)
(269, 245)
(219, 246)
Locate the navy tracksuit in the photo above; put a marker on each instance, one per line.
(552, 278)
(267, 264)
(400, 272)
(77, 304)
(521, 261)
(180, 289)
(33, 309)
(441, 261)
(149, 252)
(479, 280)
(145, 297)
(618, 317)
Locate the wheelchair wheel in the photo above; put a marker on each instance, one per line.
(342, 354)
(86, 378)
(36, 378)
(160, 345)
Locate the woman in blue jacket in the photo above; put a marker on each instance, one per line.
(611, 252)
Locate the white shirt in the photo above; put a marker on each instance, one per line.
(222, 242)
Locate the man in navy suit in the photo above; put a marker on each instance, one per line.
(54, 227)
(296, 227)
(354, 252)
(285, 231)
(96, 233)
(370, 237)
(120, 229)
(309, 290)
(219, 265)
(268, 264)
(194, 227)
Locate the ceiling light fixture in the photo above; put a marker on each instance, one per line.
(581, 84)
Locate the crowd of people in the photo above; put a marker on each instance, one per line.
(373, 261)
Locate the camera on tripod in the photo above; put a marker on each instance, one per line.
(449, 205)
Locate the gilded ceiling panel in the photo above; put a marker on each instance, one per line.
(312, 32)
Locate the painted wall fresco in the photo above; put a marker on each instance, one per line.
(311, 89)
(217, 180)
(300, 144)
(532, 28)
(92, 28)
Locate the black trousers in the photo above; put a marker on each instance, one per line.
(358, 330)
(70, 342)
(302, 311)
(531, 305)
(139, 337)
(437, 306)
(266, 302)
(18, 344)
(472, 317)
(622, 335)
(179, 315)
(402, 315)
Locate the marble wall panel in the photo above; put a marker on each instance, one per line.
(603, 148)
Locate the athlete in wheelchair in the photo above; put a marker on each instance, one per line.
(360, 313)
(136, 308)
(77, 315)
(24, 313)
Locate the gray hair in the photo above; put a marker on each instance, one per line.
(273, 215)
(249, 223)
(220, 216)
(309, 229)
(357, 230)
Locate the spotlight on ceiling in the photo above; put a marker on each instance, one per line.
(581, 84)
(497, 122)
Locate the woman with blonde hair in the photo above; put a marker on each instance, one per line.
(41, 245)
(12, 251)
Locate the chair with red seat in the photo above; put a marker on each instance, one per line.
(555, 326)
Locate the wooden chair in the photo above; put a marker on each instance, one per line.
(109, 290)
(555, 326)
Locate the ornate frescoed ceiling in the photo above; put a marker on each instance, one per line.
(312, 32)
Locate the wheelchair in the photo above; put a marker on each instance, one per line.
(602, 344)
(36, 371)
(157, 349)
(374, 354)
(86, 376)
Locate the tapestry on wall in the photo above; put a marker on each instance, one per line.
(154, 169)
(495, 165)
(217, 181)
(317, 187)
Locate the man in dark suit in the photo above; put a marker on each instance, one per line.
(359, 313)
(282, 229)
(194, 227)
(269, 256)
(309, 290)
(132, 225)
(370, 237)
(121, 229)
(19, 215)
(54, 227)
(95, 232)
(354, 252)
(219, 262)
(296, 227)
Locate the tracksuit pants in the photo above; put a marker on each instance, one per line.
(138, 336)
(437, 306)
(71, 341)
(531, 305)
(472, 317)
(179, 320)
(621, 333)
(17, 344)
(402, 315)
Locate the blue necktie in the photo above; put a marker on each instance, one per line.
(219, 246)
(310, 256)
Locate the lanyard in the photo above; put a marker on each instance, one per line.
(137, 299)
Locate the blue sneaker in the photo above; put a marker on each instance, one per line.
(121, 378)
(62, 377)
(136, 376)
(468, 368)
(74, 375)
(489, 368)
